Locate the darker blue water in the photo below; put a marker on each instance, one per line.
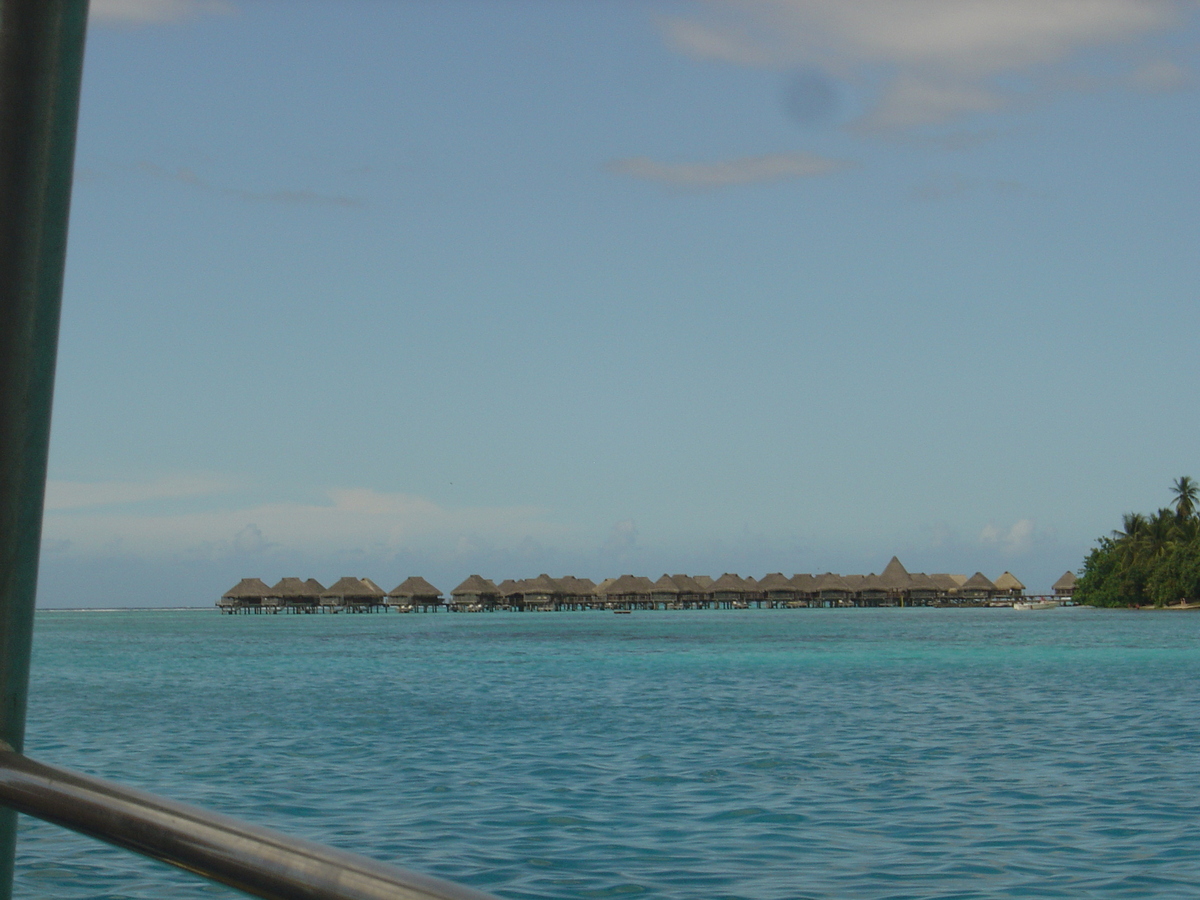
(685, 755)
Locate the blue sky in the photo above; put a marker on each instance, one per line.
(393, 288)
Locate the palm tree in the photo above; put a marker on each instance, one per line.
(1133, 536)
(1187, 494)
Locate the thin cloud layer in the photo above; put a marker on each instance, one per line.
(351, 520)
(155, 12)
(724, 173)
(76, 495)
(938, 58)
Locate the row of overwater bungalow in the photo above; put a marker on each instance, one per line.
(895, 586)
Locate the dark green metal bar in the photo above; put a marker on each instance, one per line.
(41, 62)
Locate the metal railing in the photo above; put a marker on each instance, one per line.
(256, 860)
(41, 61)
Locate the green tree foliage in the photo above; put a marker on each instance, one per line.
(1151, 560)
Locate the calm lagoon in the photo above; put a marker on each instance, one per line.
(687, 755)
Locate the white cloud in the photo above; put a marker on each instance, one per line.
(1017, 539)
(64, 495)
(352, 520)
(723, 173)
(150, 12)
(940, 58)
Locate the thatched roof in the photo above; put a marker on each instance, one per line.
(576, 587)
(350, 587)
(687, 584)
(751, 582)
(315, 585)
(729, 583)
(978, 582)
(416, 586)
(543, 584)
(603, 586)
(775, 582)
(831, 582)
(666, 585)
(895, 577)
(510, 588)
(703, 580)
(376, 590)
(1066, 583)
(803, 583)
(919, 581)
(630, 584)
(293, 587)
(476, 584)
(1008, 582)
(872, 584)
(854, 582)
(947, 582)
(248, 589)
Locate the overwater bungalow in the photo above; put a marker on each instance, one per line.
(922, 590)
(948, 584)
(977, 587)
(691, 594)
(628, 592)
(293, 595)
(353, 595)
(777, 591)
(475, 594)
(872, 592)
(805, 587)
(1008, 586)
(415, 594)
(665, 593)
(542, 593)
(578, 593)
(245, 596)
(704, 581)
(729, 591)
(1064, 588)
(832, 590)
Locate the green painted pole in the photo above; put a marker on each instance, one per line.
(41, 62)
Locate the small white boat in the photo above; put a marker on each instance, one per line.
(1035, 604)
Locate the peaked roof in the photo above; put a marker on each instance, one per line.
(854, 582)
(315, 585)
(577, 587)
(948, 582)
(375, 589)
(248, 588)
(895, 577)
(703, 580)
(603, 586)
(476, 584)
(775, 582)
(978, 582)
(630, 584)
(872, 582)
(349, 587)
(1008, 582)
(666, 585)
(804, 583)
(919, 581)
(416, 586)
(831, 582)
(543, 584)
(508, 587)
(293, 587)
(687, 584)
(729, 583)
(1068, 580)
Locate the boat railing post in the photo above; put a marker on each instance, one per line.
(41, 62)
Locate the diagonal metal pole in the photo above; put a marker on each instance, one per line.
(41, 62)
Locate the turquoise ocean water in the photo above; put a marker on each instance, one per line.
(685, 755)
